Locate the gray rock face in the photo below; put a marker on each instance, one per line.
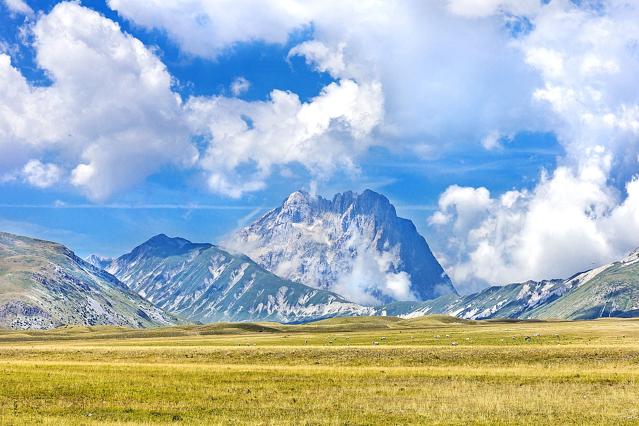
(205, 283)
(353, 244)
(45, 285)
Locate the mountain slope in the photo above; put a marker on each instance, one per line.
(608, 291)
(508, 301)
(353, 244)
(99, 262)
(45, 285)
(204, 283)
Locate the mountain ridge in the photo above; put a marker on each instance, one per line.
(611, 289)
(100, 262)
(46, 285)
(206, 283)
(354, 244)
(349, 240)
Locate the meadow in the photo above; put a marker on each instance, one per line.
(432, 370)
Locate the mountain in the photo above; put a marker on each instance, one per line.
(99, 262)
(611, 290)
(508, 301)
(608, 291)
(353, 244)
(45, 285)
(205, 283)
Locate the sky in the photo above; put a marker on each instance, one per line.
(506, 130)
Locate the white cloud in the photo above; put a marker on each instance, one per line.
(248, 139)
(136, 124)
(466, 204)
(568, 223)
(484, 8)
(427, 59)
(322, 57)
(548, 61)
(372, 279)
(40, 174)
(18, 6)
(111, 128)
(14, 91)
(492, 140)
(426, 88)
(584, 213)
(240, 86)
(207, 28)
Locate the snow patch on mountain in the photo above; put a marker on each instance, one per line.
(608, 290)
(353, 244)
(205, 283)
(100, 262)
(47, 285)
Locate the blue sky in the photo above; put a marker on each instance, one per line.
(115, 226)
(431, 100)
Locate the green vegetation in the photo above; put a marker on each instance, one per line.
(44, 285)
(341, 371)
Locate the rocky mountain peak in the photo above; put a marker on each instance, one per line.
(297, 198)
(353, 244)
(301, 205)
(100, 262)
(366, 203)
(162, 245)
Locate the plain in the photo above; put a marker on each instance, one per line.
(379, 370)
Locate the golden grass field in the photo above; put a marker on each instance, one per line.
(329, 372)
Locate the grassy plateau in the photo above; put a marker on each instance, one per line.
(432, 370)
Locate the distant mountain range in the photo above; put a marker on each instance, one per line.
(353, 244)
(308, 259)
(608, 291)
(45, 285)
(205, 283)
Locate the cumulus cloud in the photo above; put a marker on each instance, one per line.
(40, 174)
(13, 86)
(207, 28)
(18, 7)
(372, 278)
(584, 213)
(322, 57)
(484, 8)
(570, 222)
(239, 86)
(427, 56)
(136, 124)
(248, 139)
(139, 124)
(467, 204)
(110, 128)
